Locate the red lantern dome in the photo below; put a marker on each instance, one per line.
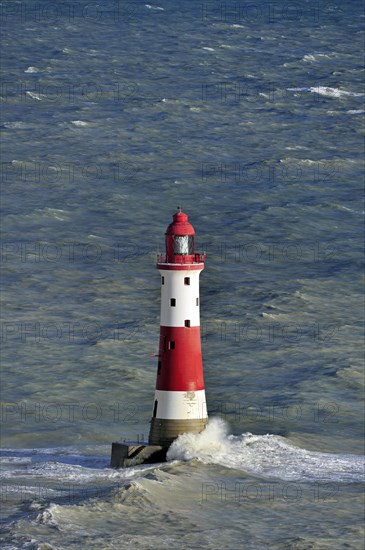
(180, 247)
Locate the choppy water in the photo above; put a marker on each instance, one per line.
(251, 117)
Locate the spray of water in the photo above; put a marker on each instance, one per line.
(208, 445)
(270, 456)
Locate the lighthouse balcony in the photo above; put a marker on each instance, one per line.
(181, 259)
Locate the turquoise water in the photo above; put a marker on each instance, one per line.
(251, 117)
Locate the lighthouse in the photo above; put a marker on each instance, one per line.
(179, 404)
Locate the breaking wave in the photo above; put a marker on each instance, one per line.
(327, 91)
(270, 456)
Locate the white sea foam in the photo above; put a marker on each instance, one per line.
(327, 91)
(62, 464)
(32, 70)
(33, 95)
(154, 7)
(269, 456)
(346, 209)
(334, 92)
(16, 124)
(310, 58)
(79, 123)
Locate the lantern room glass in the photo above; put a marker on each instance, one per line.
(183, 244)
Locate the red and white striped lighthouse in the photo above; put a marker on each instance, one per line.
(179, 404)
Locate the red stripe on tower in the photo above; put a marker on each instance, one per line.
(179, 404)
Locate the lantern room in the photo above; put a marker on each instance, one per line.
(180, 240)
(180, 247)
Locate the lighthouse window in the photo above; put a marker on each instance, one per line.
(155, 409)
(183, 244)
(172, 302)
(197, 301)
(186, 280)
(159, 367)
(171, 344)
(187, 322)
(162, 280)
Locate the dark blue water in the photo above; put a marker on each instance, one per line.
(249, 115)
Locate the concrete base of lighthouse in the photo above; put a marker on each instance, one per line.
(164, 432)
(133, 454)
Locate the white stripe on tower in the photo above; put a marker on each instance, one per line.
(182, 286)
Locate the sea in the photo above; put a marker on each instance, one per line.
(250, 116)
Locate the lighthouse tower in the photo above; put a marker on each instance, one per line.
(179, 404)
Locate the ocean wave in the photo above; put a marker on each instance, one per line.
(150, 7)
(16, 124)
(33, 95)
(269, 456)
(310, 58)
(32, 70)
(65, 463)
(79, 123)
(327, 91)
